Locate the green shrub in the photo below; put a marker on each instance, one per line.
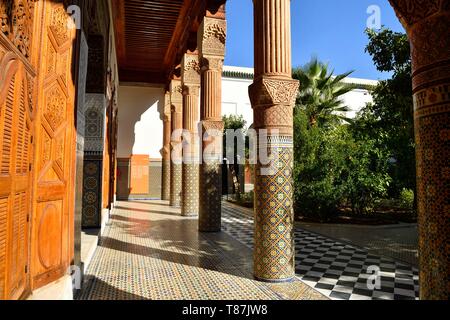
(367, 179)
(319, 162)
(331, 168)
(407, 199)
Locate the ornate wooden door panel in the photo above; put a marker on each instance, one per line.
(15, 157)
(16, 106)
(55, 156)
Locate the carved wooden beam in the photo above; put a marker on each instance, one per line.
(186, 25)
(118, 11)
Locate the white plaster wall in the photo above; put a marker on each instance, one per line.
(356, 100)
(235, 99)
(140, 125)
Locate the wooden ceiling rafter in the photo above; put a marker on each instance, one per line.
(153, 35)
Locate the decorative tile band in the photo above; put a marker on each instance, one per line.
(165, 180)
(190, 192)
(274, 246)
(92, 189)
(210, 198)
(175, 184)
(433, 194)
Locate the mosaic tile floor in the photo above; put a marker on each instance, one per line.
(149, 251)
(336, 269)
(399, 242)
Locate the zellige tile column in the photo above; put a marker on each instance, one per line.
(273, 96)
(190, 76)
(211, 42)
(176, 98)
(428, 26)
(165, 152)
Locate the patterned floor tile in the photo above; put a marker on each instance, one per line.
(338, 270)
(149, 251)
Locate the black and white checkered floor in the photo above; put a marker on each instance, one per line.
(337, 270)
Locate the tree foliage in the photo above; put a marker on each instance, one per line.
(356, 162)
(321, 93)
(389, 119)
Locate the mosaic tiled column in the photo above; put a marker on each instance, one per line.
(211, 42)
(428, 27)
(190, 76)
(165, 152)
(176, 98)
(273, 96)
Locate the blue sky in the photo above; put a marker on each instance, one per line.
(332, 30)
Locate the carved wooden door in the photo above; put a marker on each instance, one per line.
(55, 150)
(16, 127)
(15, 155)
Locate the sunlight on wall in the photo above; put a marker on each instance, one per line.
(148, 133)
(140, 126)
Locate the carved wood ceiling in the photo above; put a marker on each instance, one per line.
(151, 36)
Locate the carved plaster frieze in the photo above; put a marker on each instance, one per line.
(191, 90)
(213, 125)
(167, 107)
(176, 92)
(270, 91)
(190, 71)
(212, 63)
(212, 36)
(176, 108)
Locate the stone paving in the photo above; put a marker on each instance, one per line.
(149, 251)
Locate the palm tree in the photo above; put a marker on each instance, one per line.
(320, 95)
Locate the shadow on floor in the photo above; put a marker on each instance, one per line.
(148, 203)
(97, 289)
(168, 213)
(177, 240)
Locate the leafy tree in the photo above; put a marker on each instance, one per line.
(235, 122)
(321, 93)
(366, 178)
(332, 168)
(319, 155)
(389, 119)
